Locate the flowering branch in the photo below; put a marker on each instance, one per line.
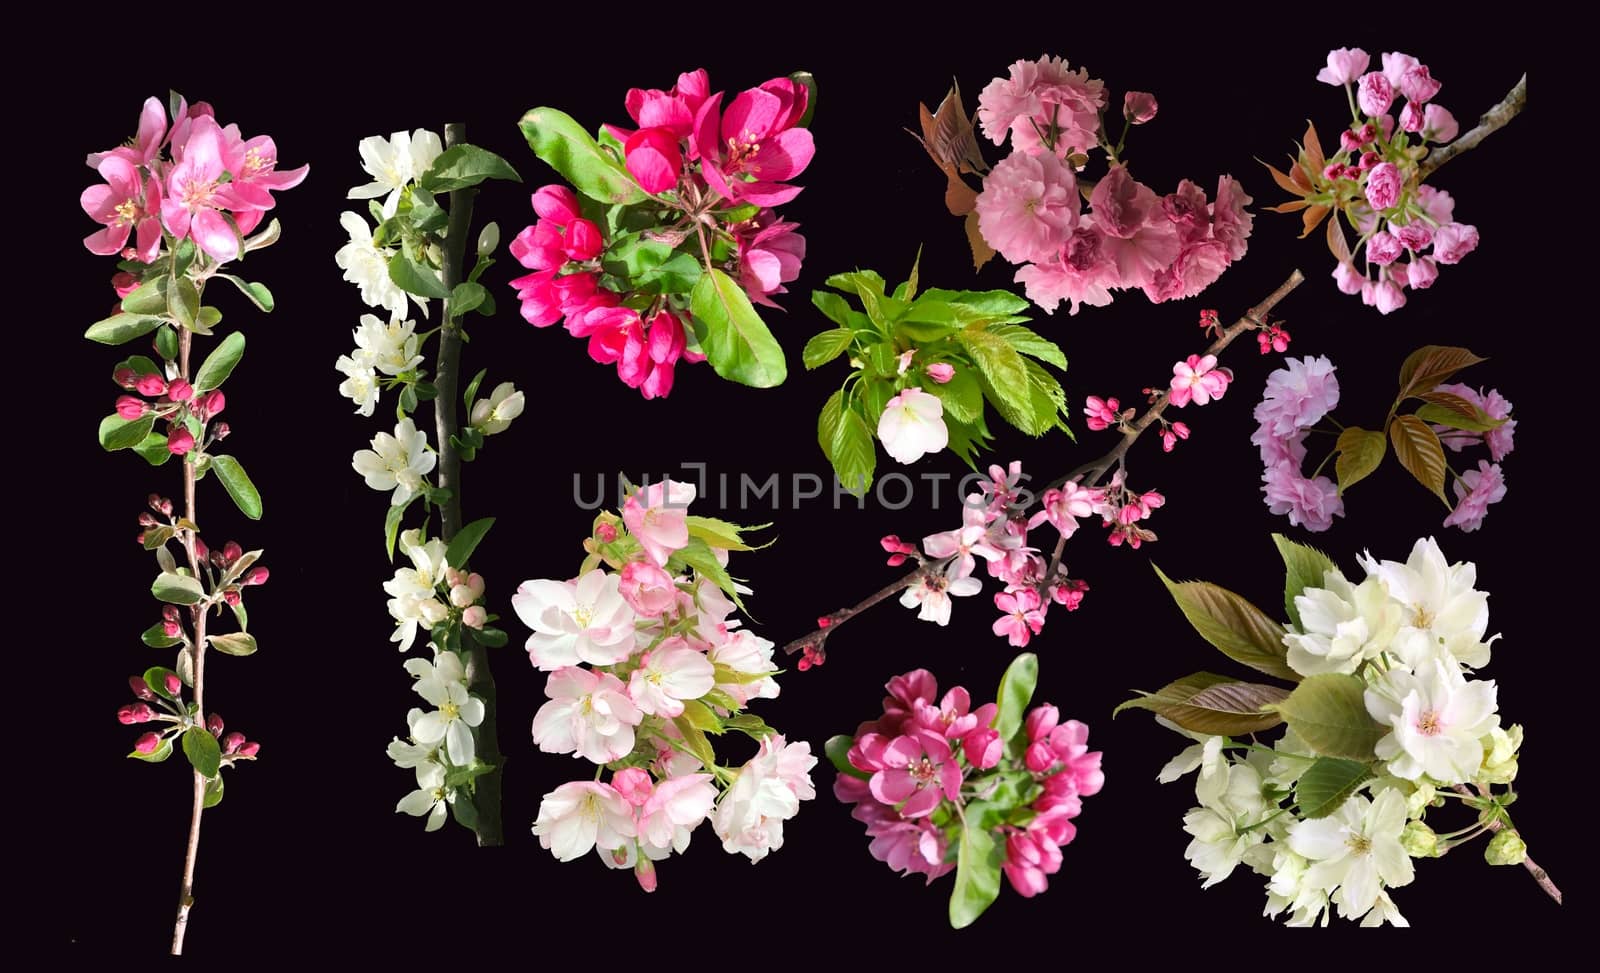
(1093, 473)
(1540, 876)
(1489, 122)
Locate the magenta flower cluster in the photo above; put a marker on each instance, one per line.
(929, 757)
(1170, 246)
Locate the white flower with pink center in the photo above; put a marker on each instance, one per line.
(586, 620)
(588, 713)
(1437, 720)
(669, 674)
(931, 596)
(966, 542)
(582, 815)
(767, 791)
(655, 517)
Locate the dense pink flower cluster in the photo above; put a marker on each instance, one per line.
(713, 177)
(1171, 247)
(1476, 489)
(212, 185)
(927, 757)
(1372, 179)
(1297, 397)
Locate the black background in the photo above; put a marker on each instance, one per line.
(307, 852)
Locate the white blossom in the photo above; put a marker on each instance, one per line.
(367, 266)
(398, 462)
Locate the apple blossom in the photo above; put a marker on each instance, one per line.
(912, 424)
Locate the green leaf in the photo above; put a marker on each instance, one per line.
(466, 541)
(202, 750)
(826, 346)
(183, 302)
(834, 307)
(1005, 376)
(1239, 629)
(1431, 366)
(177, 589)
(838, 750)
(234, 643)
(698, 555)
(978, 861)
(461, 166)
(121, 327)
(981, 305)
(213, 795)
(676, 275)
(1028, 343)
(1360, 453)
(157, 638)
(805, 80)
(208, 318)
(167, 343)
(237, 482)
(471, 393)
(695, 741)
(257, 293)
(391, 525)
(149, 297)
(1016, 691)
(160, 753)
(220, 363)
(750, 725)
(701, 716)
(155, 678)
(1205, 702)
(1417, 448)
(1329, 713)
(734, 338)
(119, 433)
(1480, 421)
(908, 290)
(847, 442)
(720, 533)
(1304, 567)
(1327, 784)
(466, 297)
(413, 278)
(962, 395)
(564, 145)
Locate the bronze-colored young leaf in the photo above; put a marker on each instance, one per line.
(1417, 448)
(1292, 206)
(982, 253)
(1428, 412)
(1283, 180)
(1297, 175)
(1239, 629)
(1337, 244)
(1451, 401)
(1204, 702)
(1311, 218)
(959, 198)
(947, 134)
(1360, 452)
(1312, 147)
(1431, 366)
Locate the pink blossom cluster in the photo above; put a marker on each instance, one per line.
(164, 689)
(920, 763)
(1297, 397)
(193, 179)
(1170, 246)
(641, 658)
(1476, 489)
(994, 529)
(171, 400)
(707, 171)
(1372, 179)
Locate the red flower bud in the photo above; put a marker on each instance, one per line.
(174, 684)
(147, 743)
(179, 441)
(256, 576)
(180, 390)
(126, 378)
(249, 749)
(220, 430)
(201, 552)
(131, 408)
(214, 724)
(140, 688)
(151, 385)
(232, 742)
(231, 552)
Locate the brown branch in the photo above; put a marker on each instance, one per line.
(1253, 319)
(1491, 121)
(1540, 876)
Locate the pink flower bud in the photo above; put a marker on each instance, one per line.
(654, 159)
(1349, 141)
(940, 372)
(232, 742)
(461, 596)
(475, 617)
(214, 402)
(126, 378)
(1411, 117)
(172, 627)
(131, 408)
(220, 430)
(1039, 757)
(983, 747)
(647, 588)
(582, 240)
(823, 621)
(1139, 107)
(180, 390)
(231, 596)
(170, 612)
(179, 441)
(475, 583)
(125, 715)
(124, 283)
(147, 743)
(200, 549)
(1041, 720)
(1438, 125)
(634, 785)
(151, 385)
(1374, 94)
(140, 688)
(214, 724)
(1421, 272)
(605, 533)
(256, 575)
(173, 683)
(667, 339)
(231, 552)
(147, 520)
(1418, 85)
(645, 871)
(556, 203)
(249, 749)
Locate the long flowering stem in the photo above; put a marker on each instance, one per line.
(1490, 122)
(197, 615)
(447, 379)
(1534, 868)
(1092, 473)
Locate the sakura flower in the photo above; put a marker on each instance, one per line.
(430, 799)
(1454, 241)
(360, 384)
(394, 163)
(586, 620)
(367, 266)
(756, 137)
(1083, 273)
(1298, 395)
(1438, 125)
(1344, 66)
(647, 589)
(398, 462)
(1043, 96)
(1023, 615)
(390, 348)
(1475, 490)
(1375, 93)
(746, 654)
(589, 713)
(1442, 611)
(1342, 625)
(1028, 207)
(443, 683)
(582, 815)
(669, 674)
(655, 516)
(1500, 439)
(1198, 379)
(931, 596)
(1437, 721)
(125, 205)
(196, 194)
(493, 414)
(674, 809)
(1139, 107)
(253, 165)
(1311, 504)
(972, 538)
(1231, 223)
(767, 791)
(1357, 848)
(1223, 826)
(912, 424)
(1100, 413)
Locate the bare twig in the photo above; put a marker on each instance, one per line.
(1491, 121)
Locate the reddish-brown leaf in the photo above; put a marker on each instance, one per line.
(981, 251)
(1431, 366)
(1453, 402)
(1313, 149)
(1292, 206)
(1311, 217)
(1337, 245)
(1418, 450)
(1282, 179)
(959, 197)
(1297, 175)
(948, 137)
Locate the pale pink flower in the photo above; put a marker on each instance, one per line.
(1028, 207)
(586, 620)
(962, 544)
(1231, 223)
(646, 588)
(1395, 66)
(634, 785)
(1384, 248)
(912, 425)
(1298, 395)
(919, 772)
(588, 713)
(669, 674)
(674, 809)
(1421, 272)
(1475, 490)
(124, 204)
(1198, 266)
(1022, 618)
(1383, 185)
(576, 817)
(766, 791)
(1082, 274)
(1122, 205)
(1498, 439)
(1439, 205)
(655, 517)
(1311, 504)
(746, 654)
(1198, 379)
(1039, 96)
(1411, 117)
(1151, 249)
(1187, 207)
(1453, 241)
(1347, 278)
(1438, 125)
(1375, 93)
(1389, 295)
(1345, 65)
(1418, 85)
(931, 596)
(1139, 107)
(769, 258)
(940, 372)
(1064, 507)
(1100, 413)
(1414, 235)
